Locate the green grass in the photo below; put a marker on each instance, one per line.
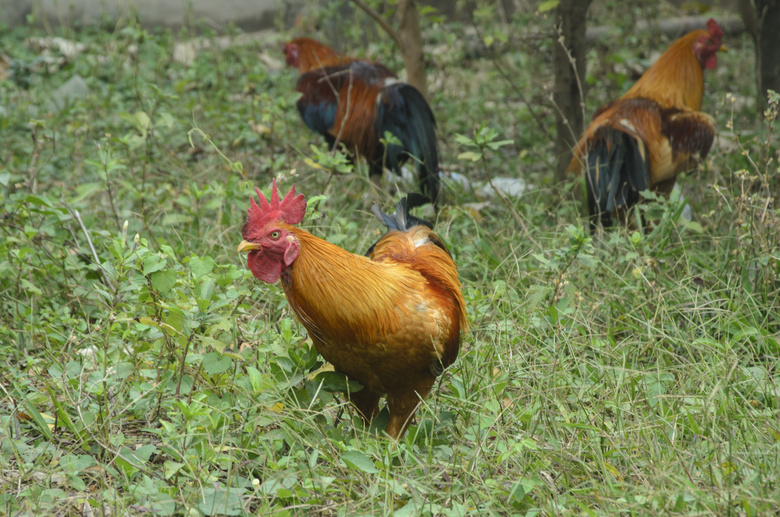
(627, 373)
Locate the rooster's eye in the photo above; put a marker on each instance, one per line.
(275, 235)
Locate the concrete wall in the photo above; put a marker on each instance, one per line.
(250, 15)
(247, 14)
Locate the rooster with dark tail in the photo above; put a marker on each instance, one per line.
(652, 133)
(355, 102)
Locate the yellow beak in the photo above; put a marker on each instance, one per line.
(723, 48)
(246, 247)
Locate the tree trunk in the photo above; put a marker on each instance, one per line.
(768, 48)
(749, 18)
(410, 42)
(568, 93)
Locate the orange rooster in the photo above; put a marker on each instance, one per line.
(653, 132)
(391, 321)
(355, 102)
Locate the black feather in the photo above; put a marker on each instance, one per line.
(407, 115)
(616, 172)
(402, 220)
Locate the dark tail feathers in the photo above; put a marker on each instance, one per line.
(402, 220)
(617, 171)
(411, 120)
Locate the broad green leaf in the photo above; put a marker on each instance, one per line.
(139, 119)
(142, 119)
(694, 226)
(255, 379)
(500, 143)
(39, 200)
(85, 190)
(216, 344)
(314, 200)
(171, 468)
(153, 263)
(464, 140)
(314, 165)
(655, 389)
(408, 510)
(358, 460)
(132, 461)
(474, 156)
(221, 501)
(205, 290)
(163, 281)
(336, 382)
(215, 363)
(391, 139)
(517, 493)
(73, 464)
(146, 320)
(201, 266)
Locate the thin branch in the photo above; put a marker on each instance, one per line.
(518, 219)
(183, 363)
(749, 17)
(32, 172)
(345, 116)
(511, 82)
(104, 157)
(581, 91)
(381, 21)
(539, 122)
(77, 216)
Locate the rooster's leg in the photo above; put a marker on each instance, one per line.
(403, 407)
(366, 402)
(665, 187)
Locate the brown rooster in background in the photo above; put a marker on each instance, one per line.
(653, 132)
(355, 102)
(391, 321)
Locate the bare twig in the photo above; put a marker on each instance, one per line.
(104, 161)
(347, 108)
(381, 21)
(492, 55)
(326, 77)
(32, 170)
(517, 217)
(183, 363)
(573, 62)
(77, 216)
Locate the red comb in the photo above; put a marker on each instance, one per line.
(714, 29)
(291, 209)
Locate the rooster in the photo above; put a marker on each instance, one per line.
(355, 102)
(653, 132)
(391, 321)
